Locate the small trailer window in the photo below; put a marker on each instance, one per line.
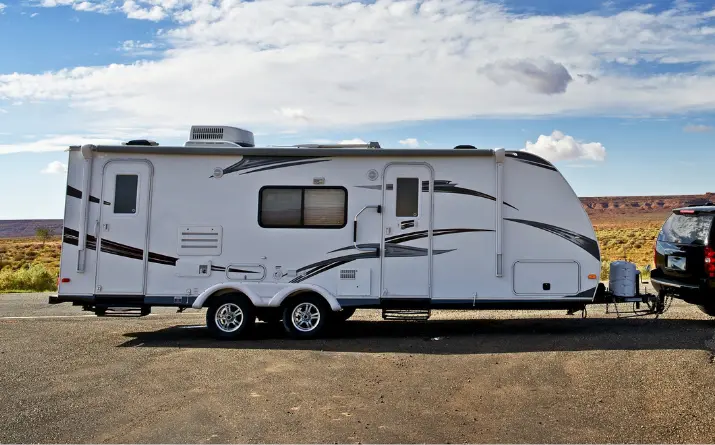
(302, 207)
(407, 197)
(125, 193)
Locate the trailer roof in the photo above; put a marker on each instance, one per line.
(284, 151)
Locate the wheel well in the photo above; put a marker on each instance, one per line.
(302, 293)
(222, 292)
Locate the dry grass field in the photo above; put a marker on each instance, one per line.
(29, 264)
(629, 238)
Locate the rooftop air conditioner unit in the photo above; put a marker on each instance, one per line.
(219, 135)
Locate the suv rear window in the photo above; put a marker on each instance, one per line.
(687, 229)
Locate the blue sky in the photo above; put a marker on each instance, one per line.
(619, 94)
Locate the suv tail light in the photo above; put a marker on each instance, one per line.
(710, 261)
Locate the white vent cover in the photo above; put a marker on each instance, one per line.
(200, 240)
(219, 133)
(348, 274)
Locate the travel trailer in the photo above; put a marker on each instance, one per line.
(306, 234)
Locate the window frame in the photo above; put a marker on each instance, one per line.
(136, 194)
(418, 195)
(302, 188)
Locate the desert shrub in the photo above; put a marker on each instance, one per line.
(605, 270)
(36, 277)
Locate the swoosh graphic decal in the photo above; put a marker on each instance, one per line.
(528, 158)
(251, 164)
(445, 186)
(587, 244)
(392, 250)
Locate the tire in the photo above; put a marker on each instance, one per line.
(305, 316)
(708, 309)
(100, 311)
(343, 315)
(230, 316)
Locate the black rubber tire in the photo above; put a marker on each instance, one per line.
(344, 315)
(100, 311)
(249, 316)
(318, 302)
(708, 310)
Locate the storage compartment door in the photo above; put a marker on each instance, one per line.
(546, 278)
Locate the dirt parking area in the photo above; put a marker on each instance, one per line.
(461, 377)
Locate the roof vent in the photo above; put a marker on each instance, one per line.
(465, 147)
(141, 142)
(219, 135)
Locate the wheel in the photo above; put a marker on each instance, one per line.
(100, 311)
(343, 315)
(708, 309)
(230, 316)
(305, 316)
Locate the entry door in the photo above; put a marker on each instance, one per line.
(123, 227)
(407, 231)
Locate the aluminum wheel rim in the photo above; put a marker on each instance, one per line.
(229, 317)
(306, 317)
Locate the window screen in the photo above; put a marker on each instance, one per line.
(682, 229)
(408, 197)
(125, 194)
(281, 207)
(318, 207)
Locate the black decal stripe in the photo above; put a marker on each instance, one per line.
(253, 162)
(446, 186)
(531, 159)
(587, 244)
(284, 165)
(71, 237)
(76, 193)
(405, 237)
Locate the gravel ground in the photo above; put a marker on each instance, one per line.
(487, 376)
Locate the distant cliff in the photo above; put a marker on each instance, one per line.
(23, 228)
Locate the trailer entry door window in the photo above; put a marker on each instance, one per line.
(125, 194)
(302, 207)
(407, 197)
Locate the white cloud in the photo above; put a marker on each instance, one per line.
(297, 114)
(410, 142)
(134, 11)
(561, 147)
(54, 143)
(3, 111)
(255, 64)
(697, 128)
(54, 167)
(34, 14)
(2, 7)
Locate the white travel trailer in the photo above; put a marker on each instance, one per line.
(308, 233)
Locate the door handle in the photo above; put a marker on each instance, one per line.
(106, 227)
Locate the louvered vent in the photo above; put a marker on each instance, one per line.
(348, 274)
(200, 240)
(207, 133)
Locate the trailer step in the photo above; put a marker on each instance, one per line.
(406, 314)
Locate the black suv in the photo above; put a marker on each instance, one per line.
(685, 257)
